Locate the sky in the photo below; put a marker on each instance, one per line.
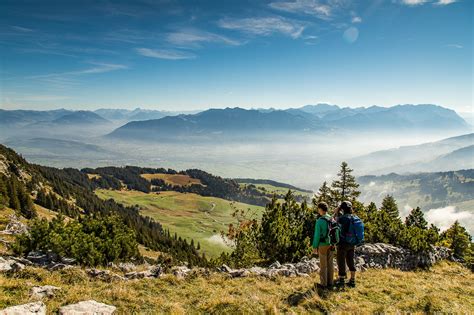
(190, 55)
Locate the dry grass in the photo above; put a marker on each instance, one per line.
(447, 288)
(173, 179)
(93, 176)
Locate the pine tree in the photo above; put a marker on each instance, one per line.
(416, 218)
(346, 186)
(389, 205)
(324, 194)
(457, 239)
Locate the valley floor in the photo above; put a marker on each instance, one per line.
(446, 288)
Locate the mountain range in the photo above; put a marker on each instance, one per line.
(307, 119)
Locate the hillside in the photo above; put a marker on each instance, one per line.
(447, 288)
(428, 191)
(428, 157)
(70, 192)
(196, 218)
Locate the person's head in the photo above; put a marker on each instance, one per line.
(346, 207)
(322, 208)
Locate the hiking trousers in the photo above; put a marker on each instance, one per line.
(345, 255)
(326, 264)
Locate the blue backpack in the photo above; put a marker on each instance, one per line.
(355, 235)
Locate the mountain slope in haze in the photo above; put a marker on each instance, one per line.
(430, 156)
(25, 117)
(237, 121)
(53, 148)
(137, 114)
(80, 117)
(215, 121)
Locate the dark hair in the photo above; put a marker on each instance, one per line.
(323, 206)
(346, 207)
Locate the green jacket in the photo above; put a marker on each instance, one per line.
(320, 232)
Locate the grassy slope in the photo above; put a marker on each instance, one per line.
(448, 287)
(173, 179)
(275, 189)
(189, 215)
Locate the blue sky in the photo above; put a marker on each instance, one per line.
(186, 55)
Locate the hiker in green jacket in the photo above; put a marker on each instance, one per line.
(323, 248)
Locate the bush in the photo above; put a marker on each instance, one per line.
(91, 241)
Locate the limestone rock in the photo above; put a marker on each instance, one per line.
(38, 293)
(36, 308)
(90, 307)
(104, 275)
(10, 265)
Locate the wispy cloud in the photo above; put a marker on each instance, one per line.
(413, 2)
(264, 26)
(21, 29)
(63, 79)
(445, 2)
(444, 217)
(421, 2)
(356, 19)
(165, 54)
(194, 38)
(311, 7)
(455, 46)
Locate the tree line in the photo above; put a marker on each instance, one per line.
(285, 231)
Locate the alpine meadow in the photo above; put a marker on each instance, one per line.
(236, 157)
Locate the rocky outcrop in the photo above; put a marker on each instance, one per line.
(10, 265)
(15, 226)
(380, 255)
(104, 275)
(90, 307)
(302, 269)
(36, 308)
(46, 291)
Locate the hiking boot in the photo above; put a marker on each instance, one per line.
(351, 283)
(340, 283)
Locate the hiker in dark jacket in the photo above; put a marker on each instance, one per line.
(345, 251)
(323, 248)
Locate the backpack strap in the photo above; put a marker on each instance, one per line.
(328, 222)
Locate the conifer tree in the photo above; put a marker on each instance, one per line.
(389, 205)
(416, 218)
(346, 186)
(457, 239)
(324, 194)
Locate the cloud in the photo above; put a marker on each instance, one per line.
(445, 217)
(194, 38)
(63, 79)
(356, 19)
(310, 7)
(413, 2)
(165, 54)
(455, 46)
(421, 2)
(445, 2)
(21, 29)
(264, 26)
